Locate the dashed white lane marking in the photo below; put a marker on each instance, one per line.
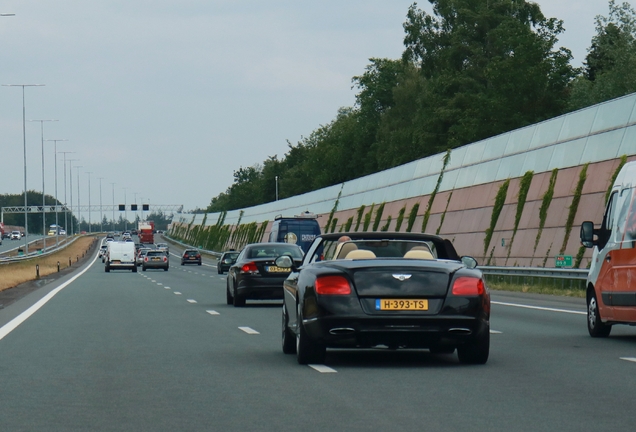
(249, 330)
(152, 280)
(167, 287)
(192, 301)
(159, 283)
(177, 293)
(495, 332)
(629, 359)
(322, 368)
(220, 277)
(212, 312)
(539, 308)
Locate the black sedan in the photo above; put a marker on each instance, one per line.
(255, 276)
(225, 262)
(389, 290)
(191, 256)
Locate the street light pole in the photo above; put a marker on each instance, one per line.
(55, 150)
(65, 207)
(90, 229)
(101, 216)
(125, 212)
(26, 221)
(276, 188)
(79, 210)
(113, 184)
(43, 196)
(70, 181)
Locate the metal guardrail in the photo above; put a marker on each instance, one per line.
(32, 255)
(187, 246)
(556, 273)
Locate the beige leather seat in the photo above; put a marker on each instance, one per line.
(419, 254)
(343, 249)
(360, 254)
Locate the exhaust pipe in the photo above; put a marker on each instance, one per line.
(460, 331)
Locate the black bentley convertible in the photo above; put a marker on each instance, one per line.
(394, 290)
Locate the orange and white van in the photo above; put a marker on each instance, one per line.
(611, 282)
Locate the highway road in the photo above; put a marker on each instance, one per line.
(161, 351)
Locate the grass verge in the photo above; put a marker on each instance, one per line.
(555, 287)
(14, 274)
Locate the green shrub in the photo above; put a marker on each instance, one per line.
(400, 218)
(359, 216)
(545, 205)
(385, 227)
(500, 199)
(524, 187)
(367, 219)
(378, 217)
(412, 216)
(427, 213)
(441, 221)
(576, 199)
(347, 225)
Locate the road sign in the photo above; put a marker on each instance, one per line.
(563, 261)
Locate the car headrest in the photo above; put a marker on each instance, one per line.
(419, 254)
(360, 254)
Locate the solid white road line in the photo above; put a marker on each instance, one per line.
(629, 359)
(249, 330)
(15, 322)
(539, 308)
(192, 301)
(212, 312)
(322, 368)
(177, 293)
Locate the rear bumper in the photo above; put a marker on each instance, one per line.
(261, 288)
(361, 331)
(121, 265)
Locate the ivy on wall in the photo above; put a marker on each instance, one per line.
(579, 257)
(427, 213)
(334, 222)
(359, 217)
(347, 225)
(613, 179)
(524, 187)
(576, 199)
(334, 209)
(400, 218)
(545, 205)
(378, 217)
(385, 227)
(441, 221)
(412, 216)
(500, 199)
(367, 218)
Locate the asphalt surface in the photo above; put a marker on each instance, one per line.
(161, 351)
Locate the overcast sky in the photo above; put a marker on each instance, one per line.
(167, 98)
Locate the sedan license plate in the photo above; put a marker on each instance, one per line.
(156, 259)
(275, 269)
(401, 304)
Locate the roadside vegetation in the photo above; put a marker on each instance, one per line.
(549, 286)
(14, 274)
(469, 71)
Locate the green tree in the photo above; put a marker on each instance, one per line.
(610, 65)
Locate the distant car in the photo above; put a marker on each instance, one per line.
(397, 290)
(155, 259)
(62, 232)
(22, 234)
(110, 235)
(255, 276)
(102, 252)
(51, 232)
(163, 247)
(133, 232)
(15, 235)
(6, 235)
(191, 256)
(141, 254)
(225, 262)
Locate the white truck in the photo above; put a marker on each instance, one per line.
(120, 256)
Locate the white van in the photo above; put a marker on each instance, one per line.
(611, 282)
(120, 255)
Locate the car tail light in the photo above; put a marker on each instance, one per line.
(332, 285)
(165, 259)
(249, 268)
(198, 256)
(468, 286)
(146, 259)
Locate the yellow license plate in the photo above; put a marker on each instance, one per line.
(401, 304)
(274, 269)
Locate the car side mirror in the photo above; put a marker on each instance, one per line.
(469, 262)
(285, 262)
(587, 234)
